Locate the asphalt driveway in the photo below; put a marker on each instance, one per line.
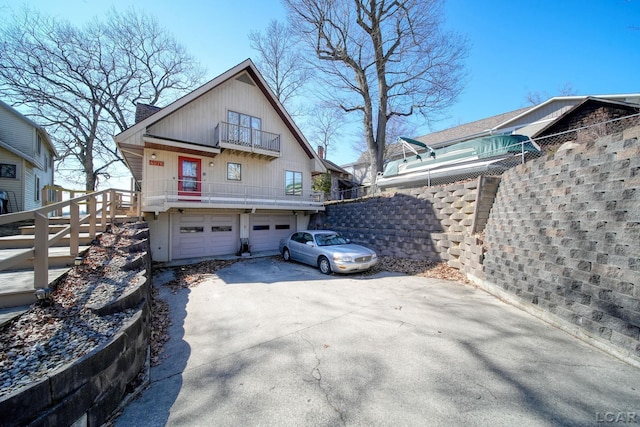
(265, 342)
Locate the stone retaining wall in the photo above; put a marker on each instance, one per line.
(427, 223)
(88, 391)
(563, 239)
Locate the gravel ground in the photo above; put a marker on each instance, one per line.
(46, 338)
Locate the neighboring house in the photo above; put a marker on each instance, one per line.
(26, 160)
(222, 170)
(528, 121)
(587, 121)
(342, 185)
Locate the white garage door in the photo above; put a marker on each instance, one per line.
(196, 235)
(265, 231)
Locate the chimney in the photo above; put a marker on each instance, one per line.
(321, 151)
(144, 110)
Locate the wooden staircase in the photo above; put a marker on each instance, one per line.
(44, 249)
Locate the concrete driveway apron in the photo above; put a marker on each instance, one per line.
(270, 343)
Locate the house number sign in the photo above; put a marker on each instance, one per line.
(156, 162)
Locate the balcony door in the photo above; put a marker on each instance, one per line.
(244, 129)
(189, 177)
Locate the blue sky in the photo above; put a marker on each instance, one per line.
(516, 46)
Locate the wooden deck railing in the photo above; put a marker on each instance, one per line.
(101, 207)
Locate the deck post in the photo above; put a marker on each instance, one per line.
(103, 210)
(74, 223)
(41, 251)
(112, 205)
(91, 211)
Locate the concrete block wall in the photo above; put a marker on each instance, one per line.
(563, 238)
(427, 223)
(87, 391)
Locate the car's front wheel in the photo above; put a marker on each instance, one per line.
(286, 255)
(324, 265)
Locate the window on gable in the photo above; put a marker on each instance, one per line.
(234, 171)
(38, 144)
(293, 183)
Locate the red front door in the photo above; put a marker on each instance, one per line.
(189, 178)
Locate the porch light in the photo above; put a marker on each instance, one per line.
(211, 163)
(78, 260)
(153, 155)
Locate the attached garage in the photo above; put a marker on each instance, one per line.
(265, 231)
(202, 235)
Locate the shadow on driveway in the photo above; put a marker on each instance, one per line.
(265, 342)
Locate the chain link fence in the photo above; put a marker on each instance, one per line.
(499, 161)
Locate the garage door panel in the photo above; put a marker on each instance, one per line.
(266, 231)
(197, 235)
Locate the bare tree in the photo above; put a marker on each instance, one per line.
(280, 61)
(82, 84)
(382, 59)
(325, 125)
(397, 126)
(537, 97)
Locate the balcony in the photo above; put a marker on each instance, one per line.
(162, 195)
(252, 141)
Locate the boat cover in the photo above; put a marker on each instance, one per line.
(478, 148)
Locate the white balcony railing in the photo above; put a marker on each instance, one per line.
(242, 136)
(163, 194)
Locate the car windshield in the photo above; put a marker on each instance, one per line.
(330, 239)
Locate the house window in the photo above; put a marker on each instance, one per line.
(8, 171)
(243, 128)
(39, 144)
(220, 228)
(46, 163)
(37, 184)
(293, 183)
(260, 227)
(283, 226)
(234, 171)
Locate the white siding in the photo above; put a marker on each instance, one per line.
(22, 136)
(13, 185)
(29, 190)
(196, 122)
(16, 132)
(551, 111)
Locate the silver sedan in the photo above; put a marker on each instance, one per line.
(327, 250)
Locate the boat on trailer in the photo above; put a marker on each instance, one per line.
(486, 155)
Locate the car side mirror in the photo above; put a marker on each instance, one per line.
(310, 243)
(347, 240)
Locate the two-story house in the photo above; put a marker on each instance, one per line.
(26, 161)
(222, 170)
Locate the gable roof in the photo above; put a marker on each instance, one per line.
(506, 123)
(30, 122)
(577, 114)
(466, 130)
(333, 167)
(245, 66)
